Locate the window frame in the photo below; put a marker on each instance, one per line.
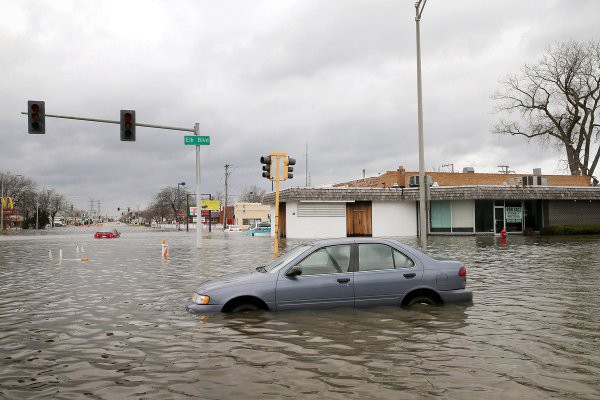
(350, 261)
(392, 248)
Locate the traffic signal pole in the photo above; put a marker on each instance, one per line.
(195, 130)
(198, 195)
(278, 176)
(282, 171)
(109, 121)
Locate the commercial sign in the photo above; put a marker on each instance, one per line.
(514, 214)
(207, 205)
(7, 203)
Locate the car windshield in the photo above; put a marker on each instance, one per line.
(280, 262)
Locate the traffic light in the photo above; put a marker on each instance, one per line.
(287, 169)
(36, 116)
(267, 173)
(128, 125)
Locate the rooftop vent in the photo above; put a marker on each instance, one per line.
(468, 170)
(537, 171)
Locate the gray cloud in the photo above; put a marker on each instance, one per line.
(264, 76)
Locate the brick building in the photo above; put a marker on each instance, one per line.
(402, 178)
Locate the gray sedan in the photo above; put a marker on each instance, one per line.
(350, 272)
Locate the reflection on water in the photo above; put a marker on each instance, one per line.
(115, 326)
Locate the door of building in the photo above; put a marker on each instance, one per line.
(498, 219)
(359, 219)
(282, 220)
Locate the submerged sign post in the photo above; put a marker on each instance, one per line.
(197, 141)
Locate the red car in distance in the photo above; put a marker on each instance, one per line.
(109, 234)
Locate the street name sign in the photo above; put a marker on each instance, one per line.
(197, 140)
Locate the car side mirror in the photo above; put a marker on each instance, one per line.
(295, 271)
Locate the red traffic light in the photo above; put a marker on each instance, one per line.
(128, 125)
(36, 117)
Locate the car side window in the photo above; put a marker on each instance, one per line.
(327, 260)
(402, 261)
(375, 257)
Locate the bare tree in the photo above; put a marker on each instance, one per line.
(15, 186)
(57, 203)
(167, 199)
(557, 101)
(252, 194)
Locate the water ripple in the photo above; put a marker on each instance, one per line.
(114, 327)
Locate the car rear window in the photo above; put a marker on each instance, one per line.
(373, 257)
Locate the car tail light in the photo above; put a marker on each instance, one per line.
(462, 272)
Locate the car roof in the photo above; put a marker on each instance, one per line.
(350, 240)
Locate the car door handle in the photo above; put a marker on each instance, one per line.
(410, 276)
(343, 280)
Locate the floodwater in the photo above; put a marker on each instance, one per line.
(115, 327)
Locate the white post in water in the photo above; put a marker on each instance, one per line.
(198, 195)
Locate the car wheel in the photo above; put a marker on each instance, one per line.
(244, 307)
(426, 300)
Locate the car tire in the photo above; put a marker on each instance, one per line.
(244, 307)
(421, 299)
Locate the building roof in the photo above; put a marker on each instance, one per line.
(401, 178)
(477, 192)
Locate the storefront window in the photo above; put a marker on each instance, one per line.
(462, 216)
(484, 215)
(533, 214)
(441, 216)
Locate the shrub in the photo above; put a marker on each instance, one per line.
(589, 229)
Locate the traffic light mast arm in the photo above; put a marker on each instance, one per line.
(108, 121)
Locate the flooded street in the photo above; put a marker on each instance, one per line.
(116, 327)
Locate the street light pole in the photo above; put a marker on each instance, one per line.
(422, 199)
(178, 203)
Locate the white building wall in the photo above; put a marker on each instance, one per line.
(394, 218)
(310, 227)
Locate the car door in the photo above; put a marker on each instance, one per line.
(326, 280)
(384, 274)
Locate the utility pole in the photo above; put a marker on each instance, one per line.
(449, 165)
(505, 169)
(422, 196)
(98, 214)
(225, 207)
(91, 209)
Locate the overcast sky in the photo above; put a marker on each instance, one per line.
(261, 76)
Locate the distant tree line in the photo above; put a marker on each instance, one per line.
(167, 202)
(30, 201)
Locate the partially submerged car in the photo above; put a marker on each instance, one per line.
(107, 234)
(233, 228)
(349, 272)
(261, 229)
